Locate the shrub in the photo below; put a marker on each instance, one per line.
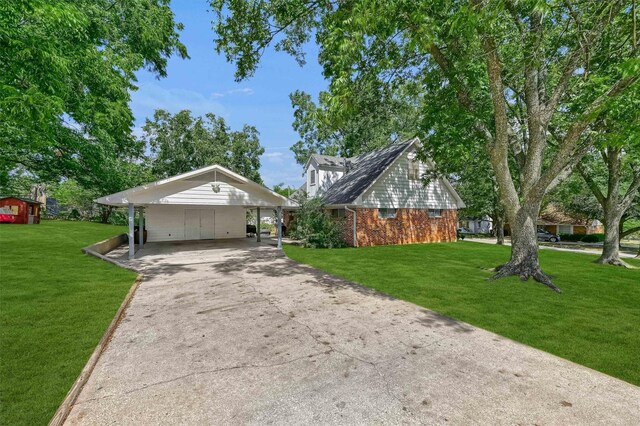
(315, 227)
(593, 238)
(571, 237)
(585, 238)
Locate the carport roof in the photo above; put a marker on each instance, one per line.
(140, 195)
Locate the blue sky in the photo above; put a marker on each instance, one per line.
(205, 83)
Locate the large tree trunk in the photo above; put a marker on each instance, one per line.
(106, 213)
(499, 229)
(614, 204)
(611, 247)
(524, 248)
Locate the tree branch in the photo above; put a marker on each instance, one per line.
(593, 186)
(632, 191)
(569, 152)
(573, 59)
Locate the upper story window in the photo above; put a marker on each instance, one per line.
(435, 212)
(387, 213)
(312, 177)
(414, 170)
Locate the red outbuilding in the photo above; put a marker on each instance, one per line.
(19, 210)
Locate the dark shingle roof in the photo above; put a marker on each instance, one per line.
(364, 171)
(328, 160)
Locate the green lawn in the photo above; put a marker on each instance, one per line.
(594, 322)
(55, 305)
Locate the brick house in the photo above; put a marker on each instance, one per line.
(381, 199)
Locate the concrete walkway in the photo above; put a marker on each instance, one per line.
(235, 333)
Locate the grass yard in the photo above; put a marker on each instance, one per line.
(55, 305)
(594, 322)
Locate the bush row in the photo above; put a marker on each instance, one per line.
(584, 238)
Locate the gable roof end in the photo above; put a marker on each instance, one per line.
(123, 197)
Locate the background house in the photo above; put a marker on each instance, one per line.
(558, 222)
(478, 225)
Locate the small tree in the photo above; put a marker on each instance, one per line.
(315, 227)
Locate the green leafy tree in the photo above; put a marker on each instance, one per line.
(180, 143)
(314, 226)
(380, 113)
(66, 72)
(500, 74)
(618, 189)
(287, 191)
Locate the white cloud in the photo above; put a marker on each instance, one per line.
(274, 157)
(241, 90)
(216, 95)
(150, 96)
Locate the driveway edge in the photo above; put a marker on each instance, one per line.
(67, 403)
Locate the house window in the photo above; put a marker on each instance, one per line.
(337, 213)
(435, 212)
(414, 170)
(565, 229)
(312, 178)
(386, 213)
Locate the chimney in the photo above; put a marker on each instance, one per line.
(347, 165)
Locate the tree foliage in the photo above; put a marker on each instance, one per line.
(66, 72)
(314, 226)
(381, 113)
(500, 74)
(180, 143)
(282, 189)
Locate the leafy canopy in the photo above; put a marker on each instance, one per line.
(66, 72)
(180, 143)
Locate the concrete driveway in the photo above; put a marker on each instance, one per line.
(235, 333)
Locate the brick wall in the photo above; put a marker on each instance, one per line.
(408, 227)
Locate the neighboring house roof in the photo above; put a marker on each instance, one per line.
(553, 215)
(365, 171)
(327, 160)
(26, 200)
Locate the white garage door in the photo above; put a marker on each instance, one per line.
(171, 223)
(199, 224)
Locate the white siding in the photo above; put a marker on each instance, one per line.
(325, 177)
(196, 193)
(394, 190)
(167, 222)
(312, 189)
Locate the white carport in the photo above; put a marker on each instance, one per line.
(208, 203)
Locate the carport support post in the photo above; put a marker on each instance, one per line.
(141, 228)
(279, 225)
(132, 249)
(258, 239)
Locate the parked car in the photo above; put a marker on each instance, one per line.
(462, 232)
(6, 215)
(544, 235)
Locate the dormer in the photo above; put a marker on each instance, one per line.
(322, 171)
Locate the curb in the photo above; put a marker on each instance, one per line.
(67, 403)
(101, 248)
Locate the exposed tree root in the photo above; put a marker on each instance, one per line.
(524, 272)
(615, 261)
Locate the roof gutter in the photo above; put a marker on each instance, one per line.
(355, 237)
